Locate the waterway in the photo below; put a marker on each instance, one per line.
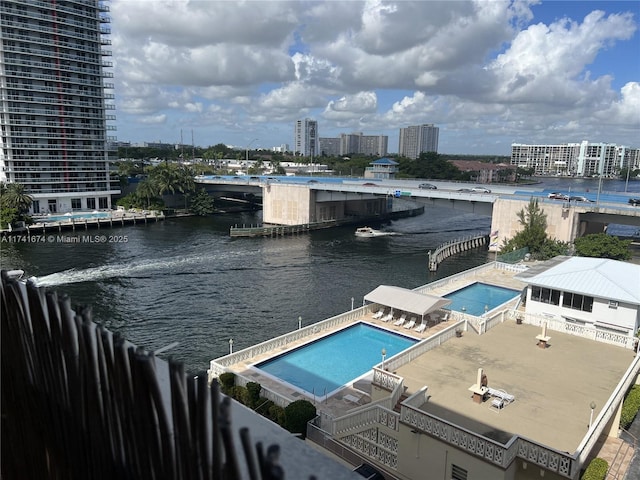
(185, 280)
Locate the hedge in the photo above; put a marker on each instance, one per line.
(227, 381)
(630, 407)
(597, 470)
(297, 414)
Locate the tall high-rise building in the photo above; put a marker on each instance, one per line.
(363, 144)
(417, 139)
(53, 115)
(305, 141)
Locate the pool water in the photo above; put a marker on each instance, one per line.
(325, 365)
(75, 216)
(473, 298)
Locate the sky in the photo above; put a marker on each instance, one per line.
(488, 73)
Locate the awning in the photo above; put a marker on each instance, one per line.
(609, 326)
(407, 300)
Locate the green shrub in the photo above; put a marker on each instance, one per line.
(253, 390)
(597, 470)
(297, 414)
(262, 406)
(276, 414)
(240, 393)
(227, 381)
(630, 406)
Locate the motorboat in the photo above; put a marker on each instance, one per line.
(368, 232)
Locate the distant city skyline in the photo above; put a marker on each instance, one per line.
(489, 74)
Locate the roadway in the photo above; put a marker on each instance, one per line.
(449, 190)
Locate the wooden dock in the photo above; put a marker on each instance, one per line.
(278, 230)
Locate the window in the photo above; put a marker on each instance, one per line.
(76, 204)
(577, 301)
(458, 473)
(102, 202)
(91, 203)
(545, 295)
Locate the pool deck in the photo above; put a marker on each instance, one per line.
(358, 393)
(550, 385)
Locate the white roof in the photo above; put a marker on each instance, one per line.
(597, 277)
(408, 300)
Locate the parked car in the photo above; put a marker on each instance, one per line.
(634, 201)
(579, 198)
(427, 186)
(369, 472)
(464, 190)
(558, 196)
(480, 190)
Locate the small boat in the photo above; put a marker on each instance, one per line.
(368, 232)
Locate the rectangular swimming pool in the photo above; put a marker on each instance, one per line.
(327, 364)
(74, 216)
(476, 296)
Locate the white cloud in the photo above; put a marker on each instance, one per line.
(490, 69)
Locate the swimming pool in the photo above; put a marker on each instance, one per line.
(75, 216)
(474, 297)
(323, 366)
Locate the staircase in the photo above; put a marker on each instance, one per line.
(618, 468)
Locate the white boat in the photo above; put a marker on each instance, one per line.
(368, 232)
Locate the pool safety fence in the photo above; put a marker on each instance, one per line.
(81, 402)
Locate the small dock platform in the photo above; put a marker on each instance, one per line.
(115, 218)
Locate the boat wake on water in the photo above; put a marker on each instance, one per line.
(125, 270)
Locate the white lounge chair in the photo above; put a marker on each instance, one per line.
(387, 317)
(421, 328)
(411, 324)
(379, 313)
(401, 320)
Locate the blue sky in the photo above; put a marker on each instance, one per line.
(488, 73)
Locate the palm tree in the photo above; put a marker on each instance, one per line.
(15, 196)
(147, 190)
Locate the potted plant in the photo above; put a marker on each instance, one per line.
(458, 332)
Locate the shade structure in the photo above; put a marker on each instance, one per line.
(400, 298)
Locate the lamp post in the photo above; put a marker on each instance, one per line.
(352, 303)
(384, 354)
(593, 407)
(247, 155)
(230, 346)
(299, 323)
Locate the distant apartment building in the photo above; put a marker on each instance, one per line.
(418, 139)
(363, 144)
(284, 147)
(583, 159)
(305, 141)
(483, 172)
(54, 107)
(355, 143)
(330, 147)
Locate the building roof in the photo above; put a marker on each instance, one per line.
(598, 277)
(407, 300)
(384, 161)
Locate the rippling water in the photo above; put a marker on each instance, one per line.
(186, 280)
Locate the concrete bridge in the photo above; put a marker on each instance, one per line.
(303, 200)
